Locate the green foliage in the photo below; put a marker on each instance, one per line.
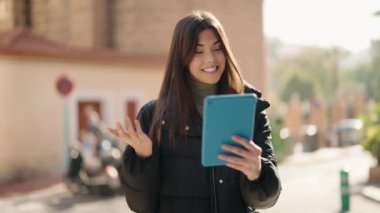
(305, 89)
(368, 74)
(280, 146)
(315, 72)
(371, 132)
(312, 73)
(374, 85)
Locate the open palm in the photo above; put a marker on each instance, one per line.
(135, 137)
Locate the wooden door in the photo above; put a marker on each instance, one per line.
(84, 106)
(131, 110)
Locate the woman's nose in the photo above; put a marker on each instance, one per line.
(210, 57)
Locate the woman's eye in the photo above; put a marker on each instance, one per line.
(217, 49)
(198, 52)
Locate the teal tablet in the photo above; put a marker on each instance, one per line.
(224, 116)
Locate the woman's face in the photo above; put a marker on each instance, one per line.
(208, 62)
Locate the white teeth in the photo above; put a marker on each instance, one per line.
(211, 69)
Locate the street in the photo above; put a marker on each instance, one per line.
(58, 199)
(310, 184)
(311, 181)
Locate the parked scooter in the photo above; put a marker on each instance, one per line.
(95, 172)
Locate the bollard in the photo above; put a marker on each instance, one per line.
(344, 190)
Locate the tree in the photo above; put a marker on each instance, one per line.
(372, 132)
(374, 83)
(303, 88)
(313, 72)
(368, 73)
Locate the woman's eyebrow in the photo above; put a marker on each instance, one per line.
(216, 42)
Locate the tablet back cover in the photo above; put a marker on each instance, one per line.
(224, 116)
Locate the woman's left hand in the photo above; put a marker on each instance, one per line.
(248, 160)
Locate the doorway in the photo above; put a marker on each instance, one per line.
(83, 107)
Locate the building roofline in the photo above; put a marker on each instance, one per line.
(22, 42)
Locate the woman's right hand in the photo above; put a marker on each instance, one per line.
(135, 137)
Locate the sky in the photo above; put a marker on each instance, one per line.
(346, 23)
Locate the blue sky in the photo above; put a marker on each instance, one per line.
(346, 23)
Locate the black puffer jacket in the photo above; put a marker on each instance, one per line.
(173, 180)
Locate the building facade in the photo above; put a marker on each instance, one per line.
(140, 27)
(109, 49)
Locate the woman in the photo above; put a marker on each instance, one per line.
(161, 168)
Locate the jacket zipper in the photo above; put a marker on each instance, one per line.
(214, 188)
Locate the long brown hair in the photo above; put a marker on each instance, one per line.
(175, 105)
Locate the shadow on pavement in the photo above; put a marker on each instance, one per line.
(67, 201)
(19, 187)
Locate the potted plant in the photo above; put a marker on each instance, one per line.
(371, 140)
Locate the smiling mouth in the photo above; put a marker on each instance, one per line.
(210, 69)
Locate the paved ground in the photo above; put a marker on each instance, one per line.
(310, 184)
(56, 198)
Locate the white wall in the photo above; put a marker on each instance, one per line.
(31, 120)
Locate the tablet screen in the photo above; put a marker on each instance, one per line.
(224, 116)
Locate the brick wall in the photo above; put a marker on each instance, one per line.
(145, 27)
(142, 27)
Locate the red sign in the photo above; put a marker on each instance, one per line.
(64, 85)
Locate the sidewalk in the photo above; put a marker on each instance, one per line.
(372, 192)
(15, 188)
(369, 190)
(312, 180)
(317, 174)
